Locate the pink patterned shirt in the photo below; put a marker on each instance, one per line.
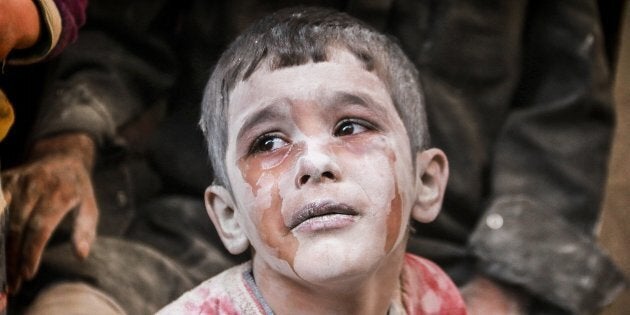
(426, 290)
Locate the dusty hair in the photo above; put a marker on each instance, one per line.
(297, 36)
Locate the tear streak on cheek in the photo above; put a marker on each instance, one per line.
(254, 167)
(394, 216)
(393, 221)
(274, 233)
(250, 174)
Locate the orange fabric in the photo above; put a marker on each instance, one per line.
(6, 115)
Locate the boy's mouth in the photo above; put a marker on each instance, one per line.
(324, 212)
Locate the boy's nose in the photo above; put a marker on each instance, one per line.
(316, 167)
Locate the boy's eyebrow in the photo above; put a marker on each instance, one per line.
(271, 111)
(334, 101)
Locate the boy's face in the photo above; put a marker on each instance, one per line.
(320, 167)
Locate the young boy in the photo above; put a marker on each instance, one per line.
(317, 135)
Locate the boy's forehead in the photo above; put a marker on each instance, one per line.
(341, 66)
(334, 54)
(343, 56)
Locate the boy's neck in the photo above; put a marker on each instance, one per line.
(372, 294)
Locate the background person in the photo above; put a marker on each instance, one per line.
(31, 31)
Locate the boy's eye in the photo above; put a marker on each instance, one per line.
(350, 127)
(267, 143)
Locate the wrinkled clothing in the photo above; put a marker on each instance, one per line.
(166, 248)
(60, 23)
(73, 298)
(426, 290)
(72, 14)
(517, 95)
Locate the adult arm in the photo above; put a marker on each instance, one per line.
(115, 71)
(121, 65)
(41, 192)
(518, 97)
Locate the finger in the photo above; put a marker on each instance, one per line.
(42, 223)
(7, 197)
(6, 194)
(85, 225)
(20, 208)
(13, 277)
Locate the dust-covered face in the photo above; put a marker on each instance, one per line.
(320, 167)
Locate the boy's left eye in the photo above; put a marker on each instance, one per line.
(350, 127)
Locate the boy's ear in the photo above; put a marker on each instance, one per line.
(431, 178)
(221, 209)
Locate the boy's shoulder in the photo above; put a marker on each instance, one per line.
(427, 289)
(231, 292)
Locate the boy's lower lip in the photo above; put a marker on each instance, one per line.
(325, 222)
(332, 214)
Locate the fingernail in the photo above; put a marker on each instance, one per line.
(83, 248)
(15, 287)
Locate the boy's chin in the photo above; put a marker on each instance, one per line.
(328, 264)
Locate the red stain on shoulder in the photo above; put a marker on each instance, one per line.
(427, 289)
(218, 305)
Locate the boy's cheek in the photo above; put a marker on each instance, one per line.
(259, 170)
(371, 157)
(385, 175)
(274, 232)
(361, 145)
(394, 218)
(264, 224)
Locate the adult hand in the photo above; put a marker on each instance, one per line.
(52, 183)
(19, 25)
(483, 296)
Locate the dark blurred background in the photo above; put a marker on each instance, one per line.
(23, 84)
(615, 227)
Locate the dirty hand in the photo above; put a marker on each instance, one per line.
(40, 193)
(483, 296)
(19, 25)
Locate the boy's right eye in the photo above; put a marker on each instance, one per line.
(267, 143)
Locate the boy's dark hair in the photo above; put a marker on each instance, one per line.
(297, 36)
